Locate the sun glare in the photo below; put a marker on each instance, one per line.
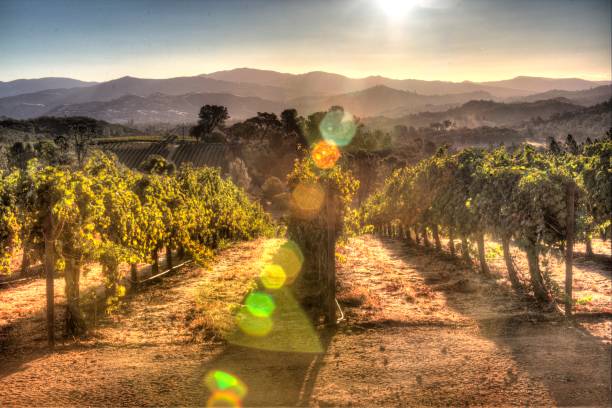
(395, 8)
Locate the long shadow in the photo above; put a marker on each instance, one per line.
(272, 378)
(568, 360)
(16, 352)
(277, 356)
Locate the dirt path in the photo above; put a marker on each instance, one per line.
(419, 331)
(436, 334)
(142, 355)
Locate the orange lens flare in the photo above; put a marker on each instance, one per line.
(325, 154)
(223, 399)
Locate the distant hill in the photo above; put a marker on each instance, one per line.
(585, 97)
(593, 121)
(44, 102)
(23, 86)
(537, 84)
(482, 113)
(324, 83)
(166, 108)
(382, 100)
(313, 91)
(159, 107)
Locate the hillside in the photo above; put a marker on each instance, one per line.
(587, 97)
(538, 84)
(382, 100)
(41, 103)
(166, 108)
(591, 122)
(325, 83)
(22, 86)
(481, 113)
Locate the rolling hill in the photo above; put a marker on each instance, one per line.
(23, 86)
(324, 83)
(41, 103)
(587, 97)
(247, 91)
(482, 113)
(538, 84)
(166, 108)
(385, 101)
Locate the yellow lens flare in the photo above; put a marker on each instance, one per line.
(325, 154)
(273, 276)
(306, 200)
(290, 258)
(253, 325)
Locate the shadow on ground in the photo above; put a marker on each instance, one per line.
(273, 378)
(572, 364)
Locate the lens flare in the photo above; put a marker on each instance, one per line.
(338, 127)
(292, 330)
(273, 276)
(290, 258)
(223, 399)
(253, 325)
(306, 200)
(218, 380)
(325, 154)
(260, 304)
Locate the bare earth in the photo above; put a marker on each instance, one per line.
(419, 330)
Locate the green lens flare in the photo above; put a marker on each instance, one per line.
(221, 381)
(338, 127)
(260, 304)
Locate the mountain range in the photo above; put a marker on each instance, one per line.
(248, 91)
(483, 113)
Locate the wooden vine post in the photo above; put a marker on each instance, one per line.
(49, 268)
(569, 248)
(330, 289)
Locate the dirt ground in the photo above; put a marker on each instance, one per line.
(419, 330)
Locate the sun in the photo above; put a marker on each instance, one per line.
(395, 8)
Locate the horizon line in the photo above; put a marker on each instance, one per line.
(609, 79)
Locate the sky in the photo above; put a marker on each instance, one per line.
(452, 40)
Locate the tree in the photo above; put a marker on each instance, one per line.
(211, 117)
(572, 145)
(156, 164)
(81, 135)
(554, 146)
(20, 153)
(293, 125)
(239, 173)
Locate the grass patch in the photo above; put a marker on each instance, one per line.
(222, 294)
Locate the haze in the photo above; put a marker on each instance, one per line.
(432, 40)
